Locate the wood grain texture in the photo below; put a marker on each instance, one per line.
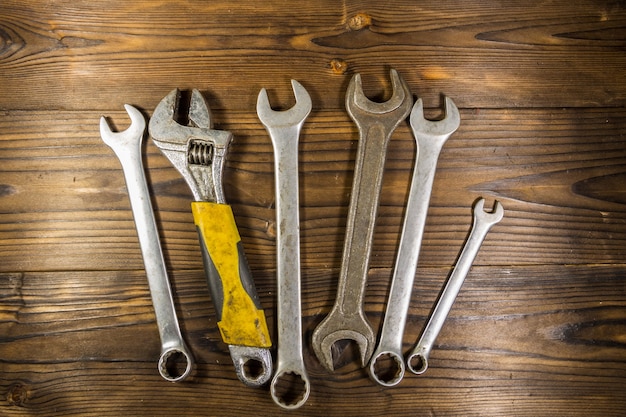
(539, 326)
(518, 340)
(559, 174)
(484, 56)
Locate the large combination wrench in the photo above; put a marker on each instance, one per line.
(290, 386)
(198, 152)
(430, 137)
(127, 147)
(376, 123)
(417, 360)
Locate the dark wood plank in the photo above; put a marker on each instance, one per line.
(559, 174)
(538, 328)
(77, 55)
(518, 340)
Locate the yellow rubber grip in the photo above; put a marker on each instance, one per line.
(242, 322)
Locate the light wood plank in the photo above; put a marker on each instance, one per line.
(78, 56)
(559, 174)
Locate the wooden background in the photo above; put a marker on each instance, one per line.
(540, 325)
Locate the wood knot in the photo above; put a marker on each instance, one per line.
(270, 229)
(18, 394)
(338, 66)
(359, 21)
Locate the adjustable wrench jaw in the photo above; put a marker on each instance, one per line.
(192, 149)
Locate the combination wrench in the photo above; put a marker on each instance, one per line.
(290, 386)
(198, 152)
(376, 123)
(430, 137)
(417, 360)
(127, 147)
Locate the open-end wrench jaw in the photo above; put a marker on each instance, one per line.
(192, 148)
(274, 119)
(494, 216)
(356, 101)
(442, 128)
(363, 338)
(130, 135)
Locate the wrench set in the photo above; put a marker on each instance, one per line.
(198, 152)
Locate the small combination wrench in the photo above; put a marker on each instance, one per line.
(290, 386)
(417, 360)
(127, 147)
(376, 123)
(198, 151)
(430, 137)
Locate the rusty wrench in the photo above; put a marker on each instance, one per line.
(417, 360)
(284, 130)
(376, 122)
(127, 147)
(198, 151)
(430, 137)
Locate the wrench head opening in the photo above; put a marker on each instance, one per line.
(253, 365)
(130, 135)
(324, 339)
(387, 368)
(442, 128)
(197, 150)
(175, 364)
(400, 100)
(493, 217)
(292, 117)
(290, 389)
(417, 363)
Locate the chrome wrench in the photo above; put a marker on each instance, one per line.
(284, 130)
(198, 152)
(127, 147)
(417, 360)
(430, 137)
(376, 122)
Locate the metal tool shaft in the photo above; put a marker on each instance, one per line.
(284, 131)
(376, 123)
(417, 360)
(127, 147)
(430, 137)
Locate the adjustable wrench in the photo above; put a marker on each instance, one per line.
(417, 360)
(430, 137)
(284, 130)
(127, 147)
(197, 151)
(376, 122)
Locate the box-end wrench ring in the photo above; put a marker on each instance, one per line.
(284, 130)
(127, 147)
(417, 360)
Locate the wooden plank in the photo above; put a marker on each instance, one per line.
(518, 340)
(559, 174)
(78, 56)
